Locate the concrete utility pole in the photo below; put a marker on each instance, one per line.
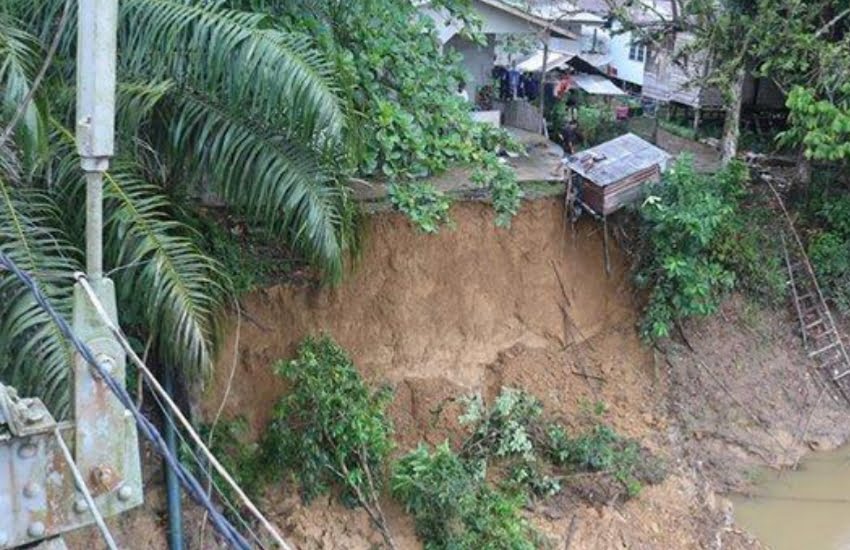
(41, 496)
(106, 441)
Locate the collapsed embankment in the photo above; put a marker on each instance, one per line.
(476, 308)
(436, 307)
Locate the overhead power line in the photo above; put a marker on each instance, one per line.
(151, 379)
(146, 428)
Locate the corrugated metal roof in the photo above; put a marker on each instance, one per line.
(617, 159)
(535, 63)
(596, 84)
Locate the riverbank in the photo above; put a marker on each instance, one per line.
(476, 308)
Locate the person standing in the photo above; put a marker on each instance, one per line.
(570, 137)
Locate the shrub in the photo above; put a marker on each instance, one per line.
(829, 252)
(425, 205)
(453, 507)
(506, 194)
(687, 221)
(330, 428)
(599, 450)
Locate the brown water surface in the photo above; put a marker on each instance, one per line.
(806, 509)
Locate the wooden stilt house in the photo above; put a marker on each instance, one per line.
(615, 173)
(605, 178)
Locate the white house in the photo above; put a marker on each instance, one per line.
(498, 19)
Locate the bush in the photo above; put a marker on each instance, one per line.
(829, 253)
(600, 450)
(689, 228)
(330, 429)
(506, 194)
(454, 508)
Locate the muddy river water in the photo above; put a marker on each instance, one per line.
(806, 509)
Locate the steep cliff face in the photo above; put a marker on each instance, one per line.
(476, 309)
(440, 306)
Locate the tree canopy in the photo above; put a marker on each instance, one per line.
(268, 106)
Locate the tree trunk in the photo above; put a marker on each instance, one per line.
(732, 126)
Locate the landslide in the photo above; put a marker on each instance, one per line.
(474, 309)
(438, 307)
(477, 308)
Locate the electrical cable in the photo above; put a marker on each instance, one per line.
(81, 484)
(154, 383)
(146, 428)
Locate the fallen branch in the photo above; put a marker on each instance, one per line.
(590, 376)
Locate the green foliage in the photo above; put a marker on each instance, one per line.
(829, 243)
(828, 252)
(453, 507)
(229, 442)
(597, 124)
(590, 122)
(686, 132)
(600, 449)
(425, 205)
(472, 499)
(408, 121)
(820, 125)
(210, 100)
(686, 224)
(503, 430)
(330, 428)
(504, 190)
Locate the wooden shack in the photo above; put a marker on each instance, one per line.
(615, 173)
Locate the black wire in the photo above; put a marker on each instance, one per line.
(146, 428)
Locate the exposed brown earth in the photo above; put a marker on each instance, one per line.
(477, 308)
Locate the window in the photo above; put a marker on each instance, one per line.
(637, 51)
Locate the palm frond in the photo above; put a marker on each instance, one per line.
(20, 58)
(234, 55)
(277, 182)
(34, 356)
(136, 100)
(163, 280)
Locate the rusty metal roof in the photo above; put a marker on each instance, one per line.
(619, 158)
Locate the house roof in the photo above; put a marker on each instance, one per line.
(642, 11)
(535, 63)
(619, 158)
(596, 84)
(447, 27)
(529, 17)
(564, 10)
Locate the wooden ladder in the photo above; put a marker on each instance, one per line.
(821, 337)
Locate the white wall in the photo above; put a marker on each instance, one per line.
(495, 21)
(477, 61)
(627, 69)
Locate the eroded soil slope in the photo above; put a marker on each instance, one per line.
(478, 308)
(435, 307)
(475, 309)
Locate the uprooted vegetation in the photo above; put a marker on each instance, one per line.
(331, 433)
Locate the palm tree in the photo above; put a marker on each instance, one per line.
(209, 99)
